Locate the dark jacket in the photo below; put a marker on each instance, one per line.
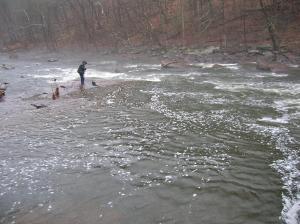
(81, 69)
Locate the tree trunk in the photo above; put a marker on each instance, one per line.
(271, 30)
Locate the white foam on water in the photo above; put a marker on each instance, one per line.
(231, 66)
(293, 66)
(107, 62)
(278, 88)
(110, 101)
(148, 77)
(278, 74)
(281, 120)
(268, 74)
(66, 75)
(203, 65)
(44, 70)
(285, 105)
(91, 73)
(211, 65)
(287, 167)
(232, 87)
(149, 66)
(292, 216)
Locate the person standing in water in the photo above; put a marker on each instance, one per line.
(81, 71)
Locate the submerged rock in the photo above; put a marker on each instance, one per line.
(40, 106)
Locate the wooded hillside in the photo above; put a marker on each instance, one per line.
(230, 24)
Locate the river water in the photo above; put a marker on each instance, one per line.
(198, 145)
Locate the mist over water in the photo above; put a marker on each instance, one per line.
(200, 145)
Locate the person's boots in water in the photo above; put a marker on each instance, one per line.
(81, 70)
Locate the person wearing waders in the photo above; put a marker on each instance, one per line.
(81, 71)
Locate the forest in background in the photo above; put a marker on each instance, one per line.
(228, 24)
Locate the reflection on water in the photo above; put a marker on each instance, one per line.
(157, 146)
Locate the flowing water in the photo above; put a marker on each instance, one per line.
(198, 145)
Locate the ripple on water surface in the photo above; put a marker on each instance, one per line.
(181, 150)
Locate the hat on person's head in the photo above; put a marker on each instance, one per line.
(84, 62)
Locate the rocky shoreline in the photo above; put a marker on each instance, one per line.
(180, 57)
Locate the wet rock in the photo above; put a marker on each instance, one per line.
(7, 67)
(94, 83)
(264, 48)
(199, 52)
(210, 50)
(268, 54)
(40, 106)
(52, 60)
(272, 67)
(173, 64)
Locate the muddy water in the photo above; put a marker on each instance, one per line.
(199, 145)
